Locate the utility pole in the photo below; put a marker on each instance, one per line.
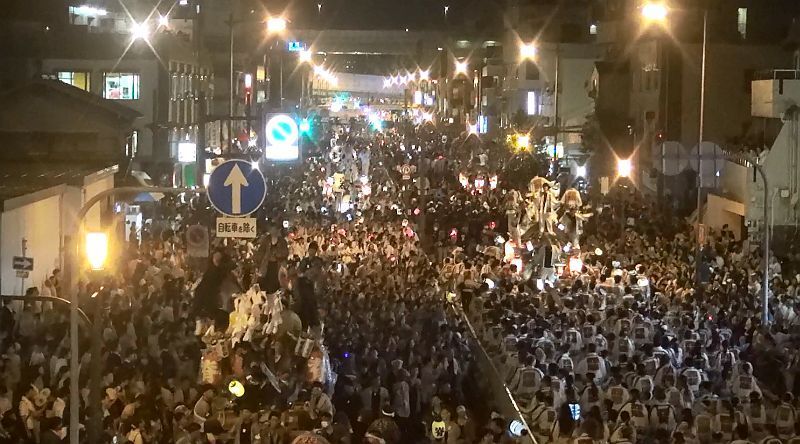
(24, 254)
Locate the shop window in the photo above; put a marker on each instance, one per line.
(75, 78)
(121, 86)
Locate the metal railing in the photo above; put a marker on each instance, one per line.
(777, 74)
(510, 407)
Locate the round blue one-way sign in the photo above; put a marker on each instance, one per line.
(235, 188)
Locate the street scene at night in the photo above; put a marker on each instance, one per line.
(419, 222)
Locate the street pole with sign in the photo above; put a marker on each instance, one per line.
(236, 189)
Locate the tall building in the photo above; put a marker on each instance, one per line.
(139, 53)
(647, 87)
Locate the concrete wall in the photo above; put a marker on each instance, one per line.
(734, 181)
(45, 218)
(39, 222)
(94, 218)
(148, 71)
(721, 211)
(782, 167)
(771, 98)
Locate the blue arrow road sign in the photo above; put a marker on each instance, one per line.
(235, 188)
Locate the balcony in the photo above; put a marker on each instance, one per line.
(774, 92)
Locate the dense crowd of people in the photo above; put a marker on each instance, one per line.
(350, 319)
(331, 323)
(628, 348)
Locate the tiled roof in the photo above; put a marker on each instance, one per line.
(21, 178)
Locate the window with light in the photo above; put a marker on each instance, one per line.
(121, 86)
(533, 103)
(75, 78)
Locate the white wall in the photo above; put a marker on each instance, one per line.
(44, 218)
(782, 166)
(39, 223)
(768, 100)
(93, 220)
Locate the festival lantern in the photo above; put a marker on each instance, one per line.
(463, 180)
(236, 388)
(509, 251)
(454, 234)
(575, 264)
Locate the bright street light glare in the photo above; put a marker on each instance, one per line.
(163, 21)
(424, 74)
(461, 67)
(523, 141)
(140, 31)
(96, 249)
(304, 56)
(654, 11)
(276, 25)
(624, 168)
(528, 51)
(580, 171)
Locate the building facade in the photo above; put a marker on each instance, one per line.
(650, 79)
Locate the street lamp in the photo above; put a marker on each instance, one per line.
(655, 11)
(97, 250)
(96, 255)
(163, 21)
(140, 31)
(624, 170)
(528, 51)
(624, 167)
(276, 25)
(523, 141)
(461, 67)
(424, 74)
(305, 56)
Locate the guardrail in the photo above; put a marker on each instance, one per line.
(506, 402)
(777, 74)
